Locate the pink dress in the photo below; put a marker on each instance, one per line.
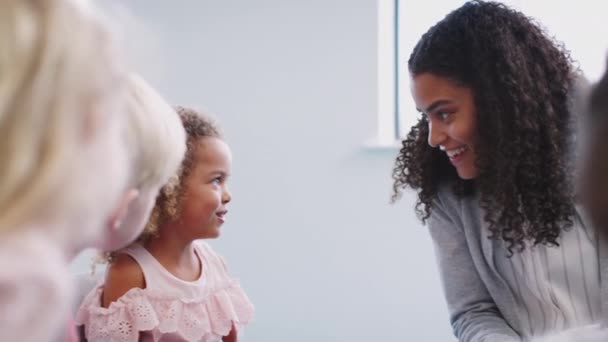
(169, 309)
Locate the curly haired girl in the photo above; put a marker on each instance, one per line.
(169, 285)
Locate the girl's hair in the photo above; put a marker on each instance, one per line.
(167, 207)
(520, 79)
(155, 135)
(60, 88)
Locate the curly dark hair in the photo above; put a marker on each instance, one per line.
(520, 79)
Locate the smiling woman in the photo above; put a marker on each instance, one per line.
(450, 112)
(490, 161)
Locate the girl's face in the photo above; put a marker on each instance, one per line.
(205, 194)
(451, 116)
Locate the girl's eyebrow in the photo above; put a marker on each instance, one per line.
(219, 172)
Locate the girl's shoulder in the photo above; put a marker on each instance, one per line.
(156, 310)
(123, 274)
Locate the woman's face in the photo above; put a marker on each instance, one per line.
(450, 112)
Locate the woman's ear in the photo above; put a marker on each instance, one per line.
(119, 214)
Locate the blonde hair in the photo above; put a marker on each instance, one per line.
(156, 137)
(197, 125)
(60, 89)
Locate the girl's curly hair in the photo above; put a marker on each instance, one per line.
(520, 78)
(167, 206)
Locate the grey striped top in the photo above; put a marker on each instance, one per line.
(551, 288)
(554, 288)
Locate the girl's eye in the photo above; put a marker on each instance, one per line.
(217, 180)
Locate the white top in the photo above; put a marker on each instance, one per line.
(555, 287)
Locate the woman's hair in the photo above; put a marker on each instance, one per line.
(167, 207)
(60, 104)
(155, 135)
(520, 79)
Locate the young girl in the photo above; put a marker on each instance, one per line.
(169, 285)
(490, 161)
(63, 164)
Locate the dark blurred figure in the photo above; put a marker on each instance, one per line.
(595, 170)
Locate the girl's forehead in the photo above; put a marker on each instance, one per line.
(212, 152)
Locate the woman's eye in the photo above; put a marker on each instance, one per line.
(443, 115)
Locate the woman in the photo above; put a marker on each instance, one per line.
(490, 162)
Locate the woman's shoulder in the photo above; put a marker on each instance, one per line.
(451, 208)
(446, 200)
(451, 195)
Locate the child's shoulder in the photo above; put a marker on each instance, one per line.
(123, 274)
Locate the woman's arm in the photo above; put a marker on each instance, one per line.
(590, 333)
(473, 313)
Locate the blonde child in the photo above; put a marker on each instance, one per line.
(157, 143)
(63, 161)
(169, 285)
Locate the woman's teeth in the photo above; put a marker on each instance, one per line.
(455, 152)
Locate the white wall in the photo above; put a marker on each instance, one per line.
(310, 233)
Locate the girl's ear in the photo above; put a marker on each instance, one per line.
(119, 214)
